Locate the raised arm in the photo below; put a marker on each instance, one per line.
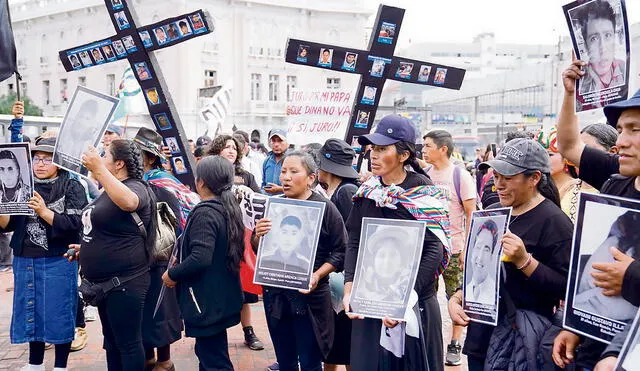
(569, 143)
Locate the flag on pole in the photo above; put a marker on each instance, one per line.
(8, 65)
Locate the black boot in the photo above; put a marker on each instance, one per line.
(251, 340)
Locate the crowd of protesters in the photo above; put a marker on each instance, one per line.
(110, 239)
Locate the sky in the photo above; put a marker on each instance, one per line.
(512, 21)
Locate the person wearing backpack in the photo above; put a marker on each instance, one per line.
(163, 327)
(459, 188)
(115, 254)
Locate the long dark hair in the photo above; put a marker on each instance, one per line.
(410, 148)
(546, 186)
(128, 152)
(217, 174)
(217, 146)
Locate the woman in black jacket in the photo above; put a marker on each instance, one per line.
(44, 308)
(211, 251)
(301, 323)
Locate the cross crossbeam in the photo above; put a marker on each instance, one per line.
(375, 66)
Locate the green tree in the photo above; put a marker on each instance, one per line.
(30, 109)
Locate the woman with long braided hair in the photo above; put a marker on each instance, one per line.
(114, 250)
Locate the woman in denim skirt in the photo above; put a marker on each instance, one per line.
(46, 284)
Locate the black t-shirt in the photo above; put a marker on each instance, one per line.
(343, 197)
(547, 234)
(112, 244)
(597, 166)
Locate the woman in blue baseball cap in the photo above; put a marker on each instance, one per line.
(397, 193)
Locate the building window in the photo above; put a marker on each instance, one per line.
(64, 97)
(256, 82)
(82, 81)
(45, 92)
(23, 89)
(274, 80)
(333, 83)
(210, 78)
(44, 50)
(111, 84)
(292, 81)
(10, 86)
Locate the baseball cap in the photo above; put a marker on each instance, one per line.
(390, 130)
(203, 141)
(114, 128)
(518, 156)
(336, 157)
(614, 110)
(44, 145)
(279, 132)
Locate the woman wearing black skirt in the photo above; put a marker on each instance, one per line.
(393, 149)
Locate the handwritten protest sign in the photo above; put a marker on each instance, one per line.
(315, 116)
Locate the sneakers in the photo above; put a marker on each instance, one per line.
(274, 367)
(30, 367)
(454, 354)
(251, 340)
(79, 340)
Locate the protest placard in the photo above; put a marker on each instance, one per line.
(313, 116)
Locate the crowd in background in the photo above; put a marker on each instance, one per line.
(104, 231)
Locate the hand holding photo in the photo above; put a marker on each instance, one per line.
(287, 252)
(16, 179)
(387, 267)
(482, 264)
(605, 226)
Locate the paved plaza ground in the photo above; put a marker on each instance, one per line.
(12, 357)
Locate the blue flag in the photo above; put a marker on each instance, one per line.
(8, 64)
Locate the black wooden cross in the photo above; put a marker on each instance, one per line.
(375, 66)
(135, 44)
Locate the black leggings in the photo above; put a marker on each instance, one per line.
(36, 354)
(121, 317)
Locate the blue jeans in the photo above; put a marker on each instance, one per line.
(45, 297)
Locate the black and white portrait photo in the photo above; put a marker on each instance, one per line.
(84, 57)
(286, 254)
(16, 179)
(604, 223)
(482, 264)
(600, 38)
(629, 357)
(388, 258)
(83, 125)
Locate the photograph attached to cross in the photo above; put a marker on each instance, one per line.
(375, 66)
(136, 44)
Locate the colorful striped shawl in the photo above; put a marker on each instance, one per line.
(185, 196)
(424, 203)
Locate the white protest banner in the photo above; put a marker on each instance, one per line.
(313, 116)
